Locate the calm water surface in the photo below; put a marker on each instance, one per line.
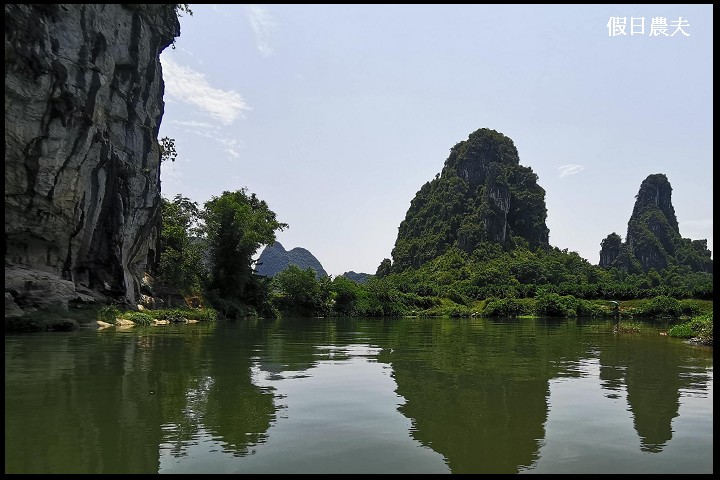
(359, 396)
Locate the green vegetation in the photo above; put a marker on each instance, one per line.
(168, 152)
(473, 243)
(699, 328)
(627, 327)
(491, 280)
(301, 292)
(236, 225)
(207, 253)
(653, 240)
(183, 7)
(139, 318)
(172, 315)
(108, 314)
(483, 195)
(182, 314)
(181, 247)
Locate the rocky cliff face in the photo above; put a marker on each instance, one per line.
(274, 259)
(482, 195)
(83, 105)
(653, 237)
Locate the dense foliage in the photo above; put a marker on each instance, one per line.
(236, 225)
(495, 282)
(653, 237)
(181, 247)
(492, 280)
(699, 328)
(208, 252)
(482, 195)
(474, 242)
(301, 292)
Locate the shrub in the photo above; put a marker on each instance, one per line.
(170, 314)
(458, 311)
(507, 307)
(683, 330)
(204, 314)
(139, 318)
(587, 308)
(663, 305)
(108, 314)
(700, 327)
(554, 305)
(690, 307)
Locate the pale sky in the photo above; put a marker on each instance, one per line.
(336, 115)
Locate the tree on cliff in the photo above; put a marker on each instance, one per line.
(236, 225)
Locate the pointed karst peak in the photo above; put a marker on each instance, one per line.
(482, 195)
(481, 153)
(656, 193)
(277, 246)
(653, 238)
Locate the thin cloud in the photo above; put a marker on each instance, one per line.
(192, 124)
(230, 145)
(262, 24)
(186, 85)
(570, 169)
(232, 152)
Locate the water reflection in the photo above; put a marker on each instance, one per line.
(353, 395)
(653, 382)
(237, 411)
(480, 400)
(79, 404)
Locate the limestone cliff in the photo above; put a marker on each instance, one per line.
(83, 105)
(482, 195)
(274, 259)
(653, 237)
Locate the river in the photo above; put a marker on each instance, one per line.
(362, 395)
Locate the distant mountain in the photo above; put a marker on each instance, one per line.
(274, 259)
(357, 277)
(653, 238)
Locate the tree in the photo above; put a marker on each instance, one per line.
(180, 246)
(236, 225)
(345, 295)
(167, 149)
(183, 7)
(300, 292)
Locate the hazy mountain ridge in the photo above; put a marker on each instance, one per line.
(357, 277)
(274, 259)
